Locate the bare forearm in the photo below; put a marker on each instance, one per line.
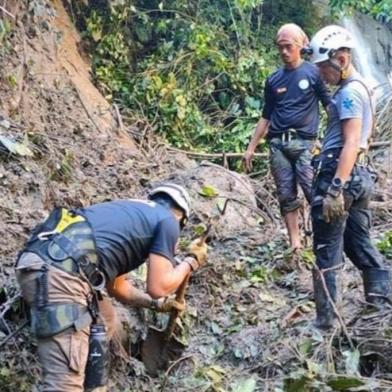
(348, 155)
(346, 163)
(130, 295)
(260, 132)
(170, 280)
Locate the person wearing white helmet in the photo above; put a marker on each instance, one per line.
(289, 122)
(75, 254)
(344, 180)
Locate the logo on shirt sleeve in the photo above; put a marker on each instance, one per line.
(348, 103)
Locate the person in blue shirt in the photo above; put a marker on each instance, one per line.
(290, 121)
(73, 258)
(344, 180)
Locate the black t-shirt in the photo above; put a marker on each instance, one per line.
(127, 231)
(291, 100)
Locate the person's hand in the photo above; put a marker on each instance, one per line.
(333, 207)
(168, 304)
(247, 160)
(198, 249)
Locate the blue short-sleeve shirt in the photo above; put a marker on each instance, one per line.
(127, 231)
(291, 100)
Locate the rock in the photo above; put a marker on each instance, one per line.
(240, 212)
(248, 343)
(378, 38)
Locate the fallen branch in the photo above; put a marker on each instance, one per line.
(224, 155)
(254, 209)
(86, 109)
(6, 306)
(17, 330)
(245, 185)
(119, 118)
(215, 155)
(380, 144)
(7, 12)
(172, 366)
(332, 303)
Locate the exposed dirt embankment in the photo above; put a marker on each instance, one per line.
(61, 144)
(49, 102)
(45, 55)
(247, 324)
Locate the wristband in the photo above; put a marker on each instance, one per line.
(192, 262)
(193, 256)
(336, 187)
(334, 192)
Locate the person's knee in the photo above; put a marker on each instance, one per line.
(363, 254)
(63, 358)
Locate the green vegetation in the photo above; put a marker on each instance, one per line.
(385, 245)
(379, 9)
(194, 71)
(5, 31)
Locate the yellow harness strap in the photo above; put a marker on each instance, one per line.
(67, 219)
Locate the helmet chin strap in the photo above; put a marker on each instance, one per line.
(343, 72)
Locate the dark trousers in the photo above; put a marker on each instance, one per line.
(291, 166)
(350, 233)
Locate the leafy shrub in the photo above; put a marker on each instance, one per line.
(379, 9)
(195, 71)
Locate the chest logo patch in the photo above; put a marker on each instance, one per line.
(347, 103)
(303, 84)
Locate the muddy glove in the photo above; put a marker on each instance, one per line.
(333, 207)
(167, 304)
(199, 252)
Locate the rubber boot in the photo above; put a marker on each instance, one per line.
(377, 286)
(325, 315)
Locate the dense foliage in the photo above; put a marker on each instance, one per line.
(380, 9)
(193, 70)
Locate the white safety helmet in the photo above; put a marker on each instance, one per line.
(178, 194)
(327, 41)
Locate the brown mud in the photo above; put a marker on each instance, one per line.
(248, 324)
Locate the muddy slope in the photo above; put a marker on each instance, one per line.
(248, 324)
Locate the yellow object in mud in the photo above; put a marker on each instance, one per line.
(67, 219)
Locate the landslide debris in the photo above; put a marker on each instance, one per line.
(248, 324)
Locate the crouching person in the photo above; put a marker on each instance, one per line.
(75, 254)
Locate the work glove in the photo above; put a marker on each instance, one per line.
(247, 160)
(333, 207)
(167, 304)
(198, 249)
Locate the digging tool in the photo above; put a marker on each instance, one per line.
(160, 347)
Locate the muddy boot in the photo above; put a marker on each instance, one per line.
(377, 285)
(325, 315)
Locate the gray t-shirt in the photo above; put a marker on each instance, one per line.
(350, 101)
